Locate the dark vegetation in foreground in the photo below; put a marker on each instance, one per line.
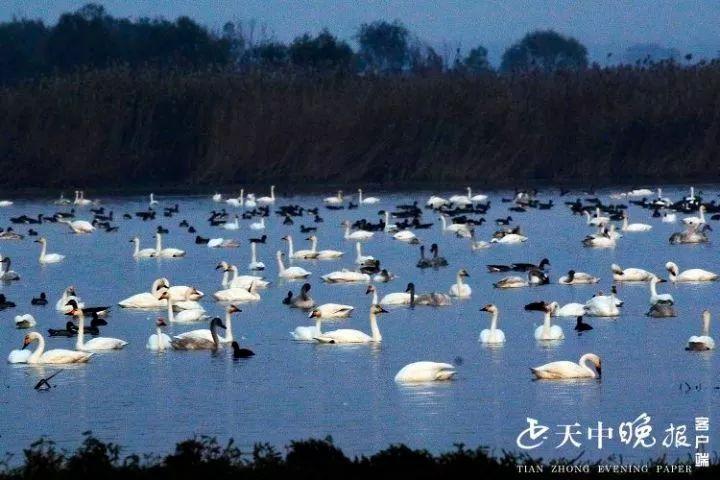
(109, 102)
(206, 458)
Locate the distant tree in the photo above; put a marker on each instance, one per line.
(384, 47)
(22, 49)
(267, 54)
(476, 61)
(323, 52)
(423, 59)
(649, 53)
(546, 51)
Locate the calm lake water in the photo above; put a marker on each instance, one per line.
(147, 401)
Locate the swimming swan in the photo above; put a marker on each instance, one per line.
(577, 278)
(206, 334)
(158, 341)
(704, 341)
(547, 331)
(346, 335)
(166, 252)
(691, 275)
(95, 344)
(664, 298)
(299, 254)
(142, 253)
(460, 289)
(52, 357)
(631, 274)
(422, 372)
(324, 254)
(289, 273)
(492, 334)
(567, 370)
(48, 257)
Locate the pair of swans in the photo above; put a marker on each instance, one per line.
(547, 331)
(184, 297)
(690, 275)
(351, 336)
(631, 274)
(303, 254)
(597, 220)
(80, 198)
(142, 252)
(45, 257)
(565, 370)
(39, 356)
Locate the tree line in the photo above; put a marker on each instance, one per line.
(92, 38)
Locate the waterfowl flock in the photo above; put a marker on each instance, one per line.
(435, 233)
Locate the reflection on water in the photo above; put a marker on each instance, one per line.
(147, 401)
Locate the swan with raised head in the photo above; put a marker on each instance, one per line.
(568, 370)
(605, 239)
(289, 273)
(254, 264)
(260, 225)
(633, 227)
(48, 257)
(308, 334)
(231, 279)
(336, 200)
(664, 298)
(691, 275)
(189, 315)
(366, 200)
(234, 225)
(6, 272)
(302, 300)
(631, 274)
(346, 335)
(359, 257)
(159, 341)
(324, 254)
(166, 252)
(149, 299)
(68, 293)
(204, 333)
(142, 253)
(95, 344)
(39, 356)
(453, 227)
(492, 334)
(298, 254)
(423, 372)
(267, 200)
(696, 221)
(459, 288)
(395, 298)
(358, 235)
(547, 331)
(704, 341)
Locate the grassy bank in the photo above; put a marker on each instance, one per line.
(120, 127)
(310, 459)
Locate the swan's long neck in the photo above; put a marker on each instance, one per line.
(242, 197)
(347, 231)
(228, 330)
(375, 297)
(80, 342)
(387, 218)
(158, 243)
(625, 222)
(234, 271)
(170, 313)
(158, 332)
(653, 289)
(459, 282)
(137, 248)
(583, 363)
(224, 281)
(444, 223)
(43, 250)
(702, 215)
(291, 249)
(314, 244)
(374, 328)
(706, 325)
(272, 192)
(37, 353)
(281, 267)
(494, 321)
(214, 335)
(546, 324)
(359, 196)
(469, 190)
(318, 325)
(254, 254)
(358, 249)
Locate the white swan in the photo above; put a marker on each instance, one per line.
(158, 341)
(336, 200)
(267, 200)
(606, 239)
(152, 200)
(48, 257)
(68, 293)
(602, 306)
(220, 242)
(234, 225)
(460, 289)
(184, 316)
(78, 226)
(422, 372)
(52, 357)
(389, 227)
(396, 298)
(166, 252)
(258, 225)
(142, 253)
(567, 370)
(239, 281)
(366, 200)
(324, 254)
(510, 238)
(453, 227)
(568, 310)
(239, 201)
(631, 274)
(331, 310)
(703, 341)
(359, 257)
(664, 298)
(634, 227)
(696, 221)
(205, 333)
(346, 276)
(492, 334)
(577, 278)
(547, 331)
(436, 202)
(6, 272)
(95, 344)
(405, 236)
(254, 264)
(290, 272)
(25, 321)
(149, 299)
(346, 335)
(361, 235)
(80, 198)
(462, 200)
(299, 254)
(308, 334)
(598, 220)
(234, 294)
(691, 275)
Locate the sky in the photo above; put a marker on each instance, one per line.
(602, 25)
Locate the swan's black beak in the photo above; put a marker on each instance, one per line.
(484, 309)
(599, 371)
